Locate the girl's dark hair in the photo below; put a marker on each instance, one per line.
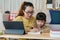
(41, 16)
(23, 7)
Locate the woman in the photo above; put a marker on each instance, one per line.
(25, 14)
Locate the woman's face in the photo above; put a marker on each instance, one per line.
(28, 12)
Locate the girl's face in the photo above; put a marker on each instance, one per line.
(28, 12)
(40, 23)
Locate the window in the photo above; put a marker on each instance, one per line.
(49, 1)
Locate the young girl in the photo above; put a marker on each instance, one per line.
(40, 23)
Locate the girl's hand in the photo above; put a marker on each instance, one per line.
(34, 30)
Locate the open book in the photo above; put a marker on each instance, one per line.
(39, 32)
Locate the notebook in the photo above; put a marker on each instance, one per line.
(14, 27)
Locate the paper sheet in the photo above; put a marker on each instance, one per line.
(34, 32)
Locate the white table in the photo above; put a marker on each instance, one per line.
(29, 36)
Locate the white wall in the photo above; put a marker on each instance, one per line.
(13, 5)
(1, 22)
(2, 5)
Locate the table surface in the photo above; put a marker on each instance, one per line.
(29, 36)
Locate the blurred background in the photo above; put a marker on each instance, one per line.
(9, 8)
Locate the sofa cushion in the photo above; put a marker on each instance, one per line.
(55, 16)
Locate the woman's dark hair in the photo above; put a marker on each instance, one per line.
(23, 7)
(41, 16)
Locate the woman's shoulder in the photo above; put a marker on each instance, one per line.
(18, 18)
